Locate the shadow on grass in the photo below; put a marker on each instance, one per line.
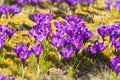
(92, 65)
(116, 52)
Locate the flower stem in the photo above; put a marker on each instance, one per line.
(59, 56)
(23, 66)
(117, 76)
(38, 68)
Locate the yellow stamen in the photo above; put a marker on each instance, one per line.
(46, 29)
(66, 50)
(118, 64)
(22, 52)
(79, 32)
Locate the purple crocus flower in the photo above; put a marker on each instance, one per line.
(117, 6)
(73, 20)
(117, 44)
(8, 30)
(6, 78)
(22, 52)
(6, 9)
(2, 77)
(57, 1)
(89, 1)
(1, 11)
(103, 31)
(61, 28)
(77, 43)
(23, 2)
(57, 41)
(15, 9)
(115, 64)
(42, 18)
(73, 2)
(37, 51)
(35, 2)
(40, 33)
(9, 78)
(115, 38)
(86, 35)
(108, 4)
(43, 27)
(67, 52)
(96, 48)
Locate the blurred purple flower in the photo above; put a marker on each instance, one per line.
(43, 28)
(117, 44)
(90, 1)
(9, 78)
(96, 48)
(2, 77)
(22, 52)
(103, 31)
(108, 4)
(86, 35)
(40, 32)
(15, 9)
(35, 2)
(115, 64)
(42, 18)
(117, 6)
(57, 41)
(37, 50)
(73, 2)
(23, 2)
(67, 52)
(61, 28)
(58, 1)
(6, 78)
(77, 43)
(8, 30)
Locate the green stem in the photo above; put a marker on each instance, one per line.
(23, 66)
(38, 68)
(59, 56)
(117, 76)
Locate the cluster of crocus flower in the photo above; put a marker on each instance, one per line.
(6, 78)
(6, 32)
(40, 32)
(109, 3)
(69, 38)
(43, 28)
(24, 53)
(33, 2)
(12, 9)
(113, 32)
